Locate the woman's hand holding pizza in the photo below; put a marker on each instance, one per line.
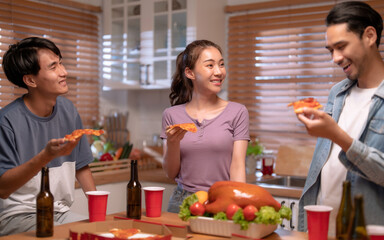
(176, 132)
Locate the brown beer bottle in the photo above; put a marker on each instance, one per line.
(344, 213)
(44, 207)
(134, 193)
(356, 228)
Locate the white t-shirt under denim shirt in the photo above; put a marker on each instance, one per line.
(352, 119)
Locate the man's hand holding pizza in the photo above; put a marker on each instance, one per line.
(60, 147)
(320, 124)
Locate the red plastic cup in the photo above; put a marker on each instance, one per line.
(318, 221)
(153, 201)
(375, 232)
(97, 205)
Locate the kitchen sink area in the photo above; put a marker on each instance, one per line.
(283, 181)
(279, 185)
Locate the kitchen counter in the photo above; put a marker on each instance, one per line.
(158, 175)
(62, 231)
(150, 170)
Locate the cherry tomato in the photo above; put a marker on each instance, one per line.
(249, 212)
(197, 209)
(231, 210)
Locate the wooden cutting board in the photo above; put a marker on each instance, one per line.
(293, 160)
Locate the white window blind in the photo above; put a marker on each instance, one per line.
(277, 55)
(74, 28)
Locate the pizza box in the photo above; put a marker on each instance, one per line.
(100, 230)
(228, 228)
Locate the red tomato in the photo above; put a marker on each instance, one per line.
(249, 212)
(197, 209)
(106, 157)
(231, 210)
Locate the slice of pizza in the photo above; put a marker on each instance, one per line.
(124, 233)
(186, 126)
(80, 132)
(299, 105)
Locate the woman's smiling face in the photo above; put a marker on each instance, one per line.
(209, 71)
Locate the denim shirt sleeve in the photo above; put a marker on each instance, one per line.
(365, 156)
(366, 161)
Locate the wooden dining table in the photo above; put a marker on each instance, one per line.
(61, 232)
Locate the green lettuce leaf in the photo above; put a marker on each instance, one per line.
(184, 212)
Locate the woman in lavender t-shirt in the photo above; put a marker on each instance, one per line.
(216, 152)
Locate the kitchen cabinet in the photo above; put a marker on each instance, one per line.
(292, 203)
(141, 40)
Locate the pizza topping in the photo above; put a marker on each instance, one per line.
(131, 232)
(299, 105)
(124, 233)
(186, 126)
(80, 132)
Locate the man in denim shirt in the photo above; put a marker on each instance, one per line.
(350, 130)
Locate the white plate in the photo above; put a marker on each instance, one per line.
(210, 226)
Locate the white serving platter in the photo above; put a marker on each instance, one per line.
(211, 226)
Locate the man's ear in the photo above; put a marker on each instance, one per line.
(29, 80)
(370, 35)
(189, 73)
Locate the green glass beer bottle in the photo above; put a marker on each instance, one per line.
(357, 229)
(344, 213)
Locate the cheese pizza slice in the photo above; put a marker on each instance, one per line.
(124, 233)
(186, 126)
(80, 132)
(299, 105)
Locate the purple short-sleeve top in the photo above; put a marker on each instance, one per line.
(205, 156)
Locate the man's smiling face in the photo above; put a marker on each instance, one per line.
(347, 49)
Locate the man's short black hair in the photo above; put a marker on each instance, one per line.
(358, 16)
(22, 58)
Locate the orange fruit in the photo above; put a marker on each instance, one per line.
(202, 196)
